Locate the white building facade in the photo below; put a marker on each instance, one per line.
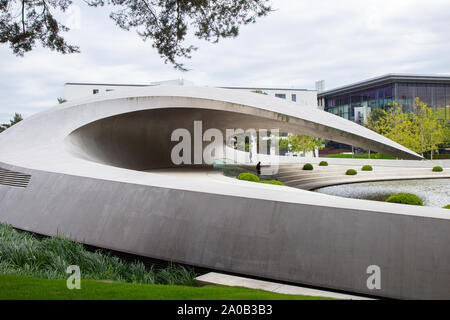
(74, 91)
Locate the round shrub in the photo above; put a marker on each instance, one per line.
(323, 164)
(446, 207)
(247, 176)
(405, 198)
(367, 168)
(274, 182)
(438, 169)
(308, 166)
(351, 172)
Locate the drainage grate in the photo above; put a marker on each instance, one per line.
(14, 178)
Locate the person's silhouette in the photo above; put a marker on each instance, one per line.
(258, 168)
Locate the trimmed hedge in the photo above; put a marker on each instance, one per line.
(351, 172)
(446, 207)
(274, 182)
(405, 198)
(367, 168)
(247, 176)
(308, 166)
(438, 169)
(323, 164)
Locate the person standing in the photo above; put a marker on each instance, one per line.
(258, 168)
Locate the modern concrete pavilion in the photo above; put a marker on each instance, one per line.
(91, 170)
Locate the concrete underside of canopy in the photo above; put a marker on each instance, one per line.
(129, 140)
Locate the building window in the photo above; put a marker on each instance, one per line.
(95, 91)
(294, 97)
(280, 95)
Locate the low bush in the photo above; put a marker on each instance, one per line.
(447, 207)
(351, 172)
(308, 166)
(247, 176)
(274, 182)
(405, 198)
(438, 169)
(323, 164)
(367, 168)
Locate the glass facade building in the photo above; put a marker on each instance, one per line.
(353, 101)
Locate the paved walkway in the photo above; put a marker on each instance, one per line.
(233, 281)
(293, 175)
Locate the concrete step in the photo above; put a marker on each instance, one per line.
(377, 171)
(321, 182)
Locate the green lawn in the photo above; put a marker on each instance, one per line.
(13, 287)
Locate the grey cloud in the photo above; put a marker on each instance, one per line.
(303, 41)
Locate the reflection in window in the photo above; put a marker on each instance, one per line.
(434, 95)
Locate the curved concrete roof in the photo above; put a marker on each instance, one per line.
(221, 108)
(79, 171)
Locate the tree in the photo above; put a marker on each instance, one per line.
(298, 142)
(17, 118)
(259, 91)
(374, 117)
(446, 143)
(395, 125)
(61, 100)
(284, 145)
(23, 23)
(429, 132)
(419, 130)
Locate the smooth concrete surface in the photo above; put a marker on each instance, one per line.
(214, 278)
(88, 188)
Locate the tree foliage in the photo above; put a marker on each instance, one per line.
(17, 118)
(298, 143)
(429, 130)
(259, 91)
(420, 130)
(446, 143)
(23, 23)
(284, 145)
(376, 115)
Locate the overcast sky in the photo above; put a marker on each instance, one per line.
(302, 41)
